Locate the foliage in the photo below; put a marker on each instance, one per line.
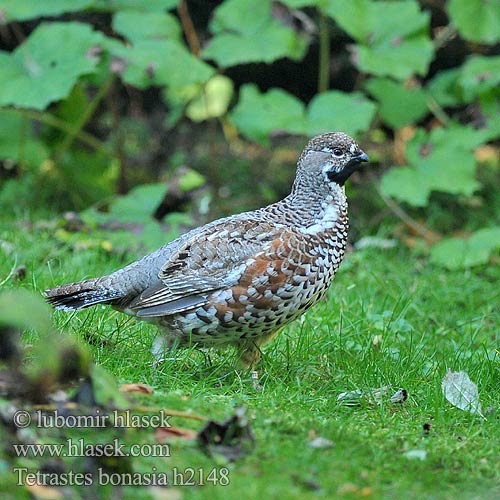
(63, 82)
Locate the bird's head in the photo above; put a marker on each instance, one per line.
(333, 157)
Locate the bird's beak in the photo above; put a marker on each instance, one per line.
(360, 156)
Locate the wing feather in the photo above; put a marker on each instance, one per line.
(211, 260)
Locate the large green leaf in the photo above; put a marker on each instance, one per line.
(22, 10)
(479, 75)
(392, 37)
(445, 89)
(161, 62)
(137, 5)
(406, 184)
(440, 161)
(17, 141)
(335, 110)
(137, 26)
(476, 20)
(458, 253)
(391, 96)
(246, 32)
(273, 42)
(139, 204)
(298, 4)
(45, 67)
(245, 17)
(257, 115)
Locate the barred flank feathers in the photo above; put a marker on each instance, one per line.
(74, 296)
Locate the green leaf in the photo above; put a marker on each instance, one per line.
(191, 180)
(444, 88)
(43, 69)
(450, 170)
(139, 204)
(335, 110)
(476, 20)
(213, 100)
(137, 26)
(257, 115)
(299, 4)
(406, 184)
(399, 60)
(105, 388)
(57, 357)
(392, 37)
(391, 95)
(22, 10)
(245, 17)
(161, 62)
(246, 32)
(454, 137)
(489, 106)
(442, 160)
(478, 75)
(137, 5)
(272, 43)
(17, 141)
(24, 309)
(458, 253)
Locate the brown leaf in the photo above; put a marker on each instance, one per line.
(141, 388)
(163, 434)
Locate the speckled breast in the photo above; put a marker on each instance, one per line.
(276, 287)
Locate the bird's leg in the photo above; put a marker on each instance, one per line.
(161, 346)
(249, 354)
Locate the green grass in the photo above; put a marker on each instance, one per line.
(391, 319)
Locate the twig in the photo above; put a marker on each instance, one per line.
(324, 53)
(437, 110)
(68, 140)
(444, 36)
(397, 210)
(55, 122)
(188, 28)
(121, 187)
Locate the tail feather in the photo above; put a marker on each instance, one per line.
(74, 296)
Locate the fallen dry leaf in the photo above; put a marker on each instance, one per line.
(164, 434)
(142, 388)
(461, 392)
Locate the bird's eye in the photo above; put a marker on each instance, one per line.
(338, 152)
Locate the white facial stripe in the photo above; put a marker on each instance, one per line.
(352, 148)
(326, 150)
(326, 168)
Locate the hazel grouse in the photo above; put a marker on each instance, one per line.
(239, 280)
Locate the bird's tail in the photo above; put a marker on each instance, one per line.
(82, 294)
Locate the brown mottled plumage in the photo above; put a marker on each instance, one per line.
(240, 279)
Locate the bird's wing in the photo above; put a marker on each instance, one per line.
(211, 260)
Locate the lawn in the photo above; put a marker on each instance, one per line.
(391, 320)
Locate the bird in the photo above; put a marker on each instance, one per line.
(241, 279)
